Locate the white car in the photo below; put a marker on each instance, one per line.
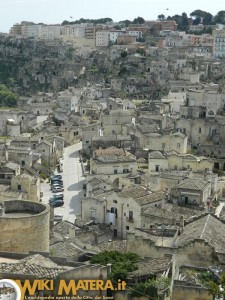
(57, 189)
(58, 218)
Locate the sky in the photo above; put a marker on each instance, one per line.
(55, 11)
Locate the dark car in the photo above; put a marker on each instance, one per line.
(58, 196)
(57, 203)
(53, 200)
(56, 177)
(56, 181)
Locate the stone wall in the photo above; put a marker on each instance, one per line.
(197, 253)
(27, 230)
(184, 290)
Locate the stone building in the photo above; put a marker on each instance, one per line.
(27, 184)
(199, 242)
(193, 191)
(112, 161)
(24, 226)
(122, 210)
(169, 161)
(7, 171)
(175, 141)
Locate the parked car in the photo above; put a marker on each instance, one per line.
(53, 200)
(56, 197)
(59, 195)
(57, 203)
(56, 176)
(56, 179)
(56, 185)
(57, 189)
(58, 217)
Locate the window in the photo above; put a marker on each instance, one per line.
(125, 171)
(19, 187)
(130, 216)
(127, 205)
(114, 211)
(127, 227)
(93, 214)
(178, 146)
(115, 171)
(199, 130)
(157, 168)
(114, 201)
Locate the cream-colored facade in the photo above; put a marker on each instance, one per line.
(165, 142)
(178, 162)
(198, 130)
(113, 161)
(27, 184)
(121, 210)
(24, 227)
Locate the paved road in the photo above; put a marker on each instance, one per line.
(73, 184)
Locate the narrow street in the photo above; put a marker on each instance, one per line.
(73, 184)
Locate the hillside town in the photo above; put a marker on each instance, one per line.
(112, 139)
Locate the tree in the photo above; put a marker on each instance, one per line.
(184, 24)
(122, 263)
(152, 288)
(7, 98)
(207, 20)
(161, 17)
(214, 289)
(215, 284)
(123, 54)
(141, 51)
(125, 23)
(138, 20)
(198, 13)
(196, 21)
(220, 17)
